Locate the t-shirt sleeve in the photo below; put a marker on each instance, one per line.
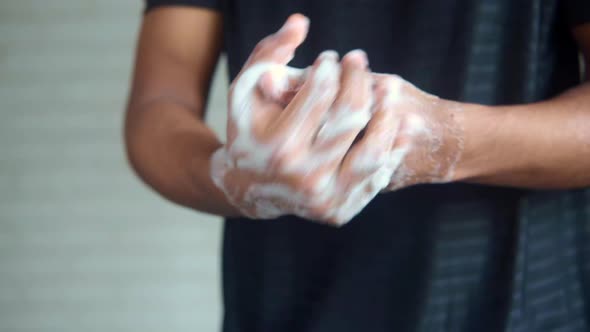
(576, 11)
(211, 4)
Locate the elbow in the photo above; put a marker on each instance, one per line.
(132, 140)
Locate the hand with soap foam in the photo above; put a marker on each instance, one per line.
(429, 133)
(290, 133)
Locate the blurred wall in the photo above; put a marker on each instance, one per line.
(84, 246)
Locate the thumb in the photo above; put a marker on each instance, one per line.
(280, 47)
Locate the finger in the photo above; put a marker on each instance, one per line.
(362, 174)
(373, 150)
(280, 47)
(354, 91)
(371, 158)
(301, 118)
(391, 91)
(351, 110)
(353, 199)
(281, 84)
(389, 88)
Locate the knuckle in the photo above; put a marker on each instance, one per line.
(335, 219)
(319, 211)
(311, 188)
(282, 158)
(396, 79)
(393, 80)
(390, 90)
(279, 161)
(413, 124)
(390, 82)
(302, 184)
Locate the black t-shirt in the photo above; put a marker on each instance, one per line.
(451, 257)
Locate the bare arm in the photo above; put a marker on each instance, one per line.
(168, 144)
(268, 167)
(542, 145)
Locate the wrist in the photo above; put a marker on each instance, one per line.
(479, 125)
(210, 197)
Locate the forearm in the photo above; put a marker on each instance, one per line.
(544, 145)
(170, 147)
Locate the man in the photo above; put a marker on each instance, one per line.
(474, 255)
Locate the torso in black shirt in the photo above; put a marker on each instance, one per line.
(430, 258)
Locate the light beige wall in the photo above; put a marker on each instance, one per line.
(84, 246)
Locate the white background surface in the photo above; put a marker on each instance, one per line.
(84, 246)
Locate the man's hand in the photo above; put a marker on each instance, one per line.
(292, 156)
(429, 133)
(295, 144)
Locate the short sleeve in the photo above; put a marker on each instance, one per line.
(211, 4)
(576, 11)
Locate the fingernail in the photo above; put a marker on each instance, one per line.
(304, 21)
(326, 70)
(360, 55)
(329, 55)
(295, 20)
